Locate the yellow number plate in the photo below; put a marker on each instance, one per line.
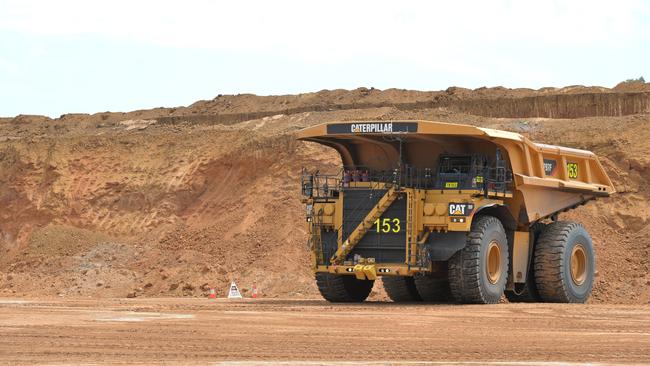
(451, 184)
(387, 225)
(572, 169)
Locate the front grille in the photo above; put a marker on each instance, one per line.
(384, 247)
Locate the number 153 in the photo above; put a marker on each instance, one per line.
(387, 225)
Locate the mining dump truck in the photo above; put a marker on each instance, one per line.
(449, 213)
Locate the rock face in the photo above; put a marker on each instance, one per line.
(576, 102)
(174, 201)
(558, 106)
(627, 98)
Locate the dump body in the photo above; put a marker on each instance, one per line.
(409, 191)
(547, 178)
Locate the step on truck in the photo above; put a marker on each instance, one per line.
(449, 213)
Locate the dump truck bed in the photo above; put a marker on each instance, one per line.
(547, 178)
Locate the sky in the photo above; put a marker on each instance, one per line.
(85, 56)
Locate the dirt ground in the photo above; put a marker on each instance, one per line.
(265, 331)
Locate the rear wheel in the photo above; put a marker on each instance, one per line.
(401, 289)
(342, 288)
(564, 263)
(478, 272)
(433, 289)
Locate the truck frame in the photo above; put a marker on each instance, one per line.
(449, 212)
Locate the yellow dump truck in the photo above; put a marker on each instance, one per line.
(449, 212)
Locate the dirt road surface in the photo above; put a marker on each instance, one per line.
(202, 331)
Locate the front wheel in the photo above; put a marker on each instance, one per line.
(343, 288)
(478, 272)
(433, 289)
(401, 289)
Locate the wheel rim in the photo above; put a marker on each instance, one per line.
(579, 264)
(493, 259)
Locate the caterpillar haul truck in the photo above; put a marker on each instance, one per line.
(449, 212)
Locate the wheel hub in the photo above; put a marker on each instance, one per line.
(493, 259)
(578, 264)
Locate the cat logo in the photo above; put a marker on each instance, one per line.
(460, 209)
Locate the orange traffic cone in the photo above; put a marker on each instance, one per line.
(213, 294)
(254, 291)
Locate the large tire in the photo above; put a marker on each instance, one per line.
(529, 293)
(433, 289)
(478, 272)
(564, 263)
(343, 288)
(401, 289)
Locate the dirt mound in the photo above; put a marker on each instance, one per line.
(632, 86)
(569, 102)
(140, 202)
